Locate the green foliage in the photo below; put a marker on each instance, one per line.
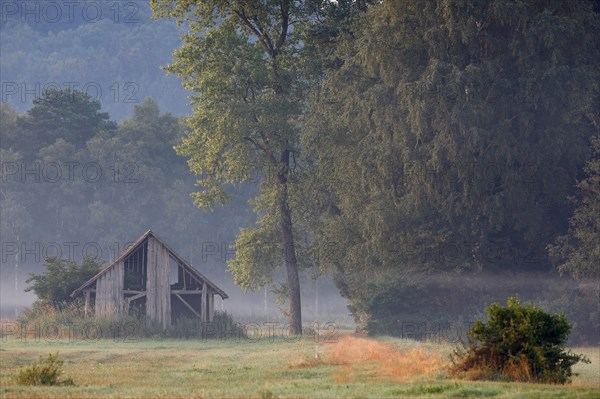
(246, 92)
(60, 279)
(139, 183)
(578, 252)
(45, 372)
(417, 309)
(518, 342)
(15, 218)
(65, 114)
(441, 307)
(447, 136)
(70, 322)
(244, 63)
(43, 314)
(140, 176)
(9, 131)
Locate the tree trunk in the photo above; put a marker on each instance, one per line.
(289, 248)
(291, 265)
(316, 299)
(266, 308)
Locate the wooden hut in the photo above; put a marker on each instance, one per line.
(150, 279)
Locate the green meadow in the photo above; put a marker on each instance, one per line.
(269, 367)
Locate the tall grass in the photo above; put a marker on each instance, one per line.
(69, 322)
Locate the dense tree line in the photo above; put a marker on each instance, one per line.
(406, 148)
(111, 50)
(73, 178)
(428, 138)
(470, 121)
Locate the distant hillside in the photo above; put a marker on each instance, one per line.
(112, 50)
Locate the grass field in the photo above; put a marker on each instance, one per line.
(352, 367)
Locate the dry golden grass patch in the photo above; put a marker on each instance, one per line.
(359, 357)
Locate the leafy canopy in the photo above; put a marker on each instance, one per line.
(243, 61)
(578, 251)
(60, 279)
(448, 135)
(66, 114)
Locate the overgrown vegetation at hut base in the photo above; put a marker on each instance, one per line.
(69, 322)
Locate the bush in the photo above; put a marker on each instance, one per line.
(60, 279)
(517, 343)
(44, 372)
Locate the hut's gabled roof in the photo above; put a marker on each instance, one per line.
(140, 241)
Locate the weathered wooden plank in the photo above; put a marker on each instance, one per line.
(109, 292)
(87, 303)
(203, 303)
(118, 287)
(151, 292)
(187, 304)
(166, 287)
(180, 276)
(100, 297)
(131, 299)
(158, 287)
(186, 292)
(211, 306)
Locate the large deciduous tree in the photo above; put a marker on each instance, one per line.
(242, 60)
(578, 251)
(448, 135)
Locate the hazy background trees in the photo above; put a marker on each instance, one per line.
(437, 155)
(110, 50)
(443, 144)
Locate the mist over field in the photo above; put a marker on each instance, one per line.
(377, 179)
